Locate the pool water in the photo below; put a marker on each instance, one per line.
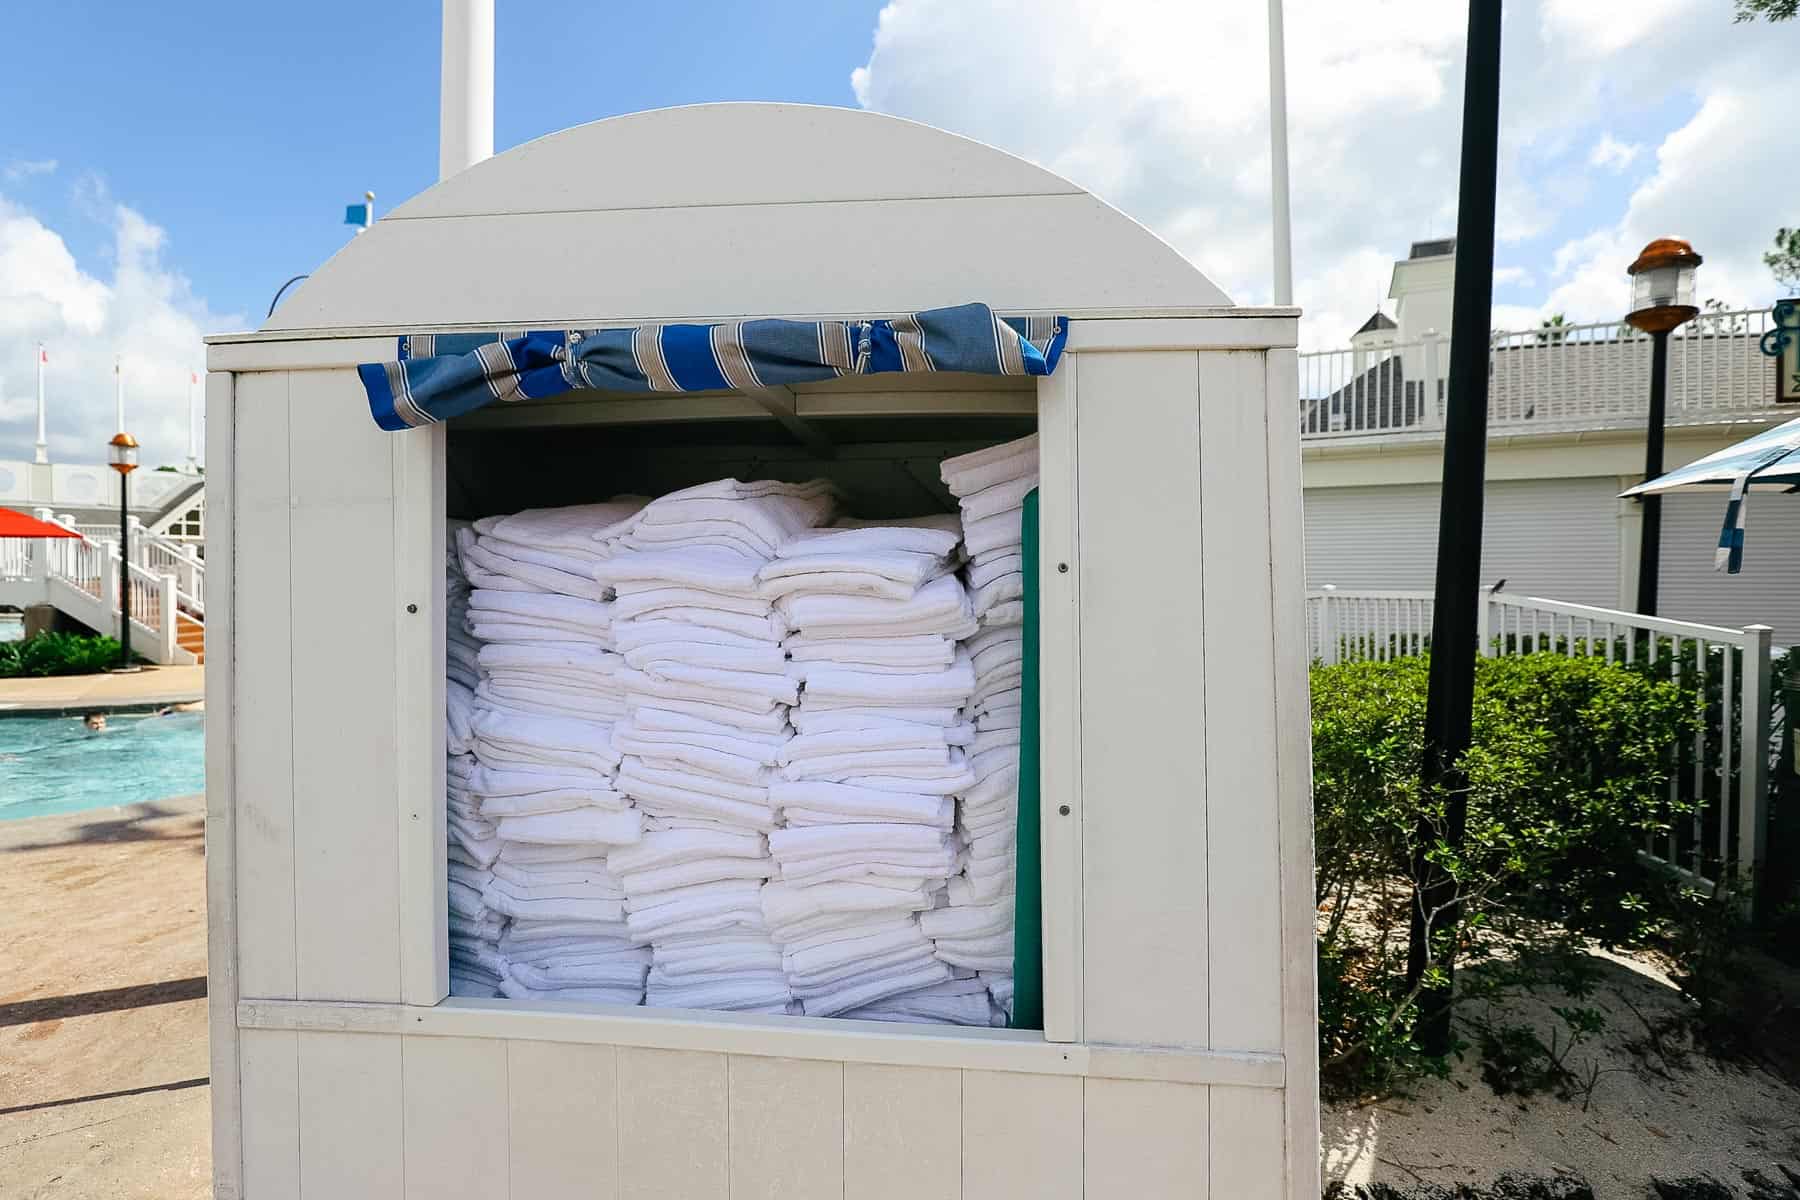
(54, 765)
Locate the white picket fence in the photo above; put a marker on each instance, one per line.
(1726, 770)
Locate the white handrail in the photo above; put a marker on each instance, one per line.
(1559, 378)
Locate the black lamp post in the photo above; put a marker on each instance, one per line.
(124, 453)
(1662, 300)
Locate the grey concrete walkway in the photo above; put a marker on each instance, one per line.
(148, 688)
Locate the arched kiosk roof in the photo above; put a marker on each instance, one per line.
(722, 210)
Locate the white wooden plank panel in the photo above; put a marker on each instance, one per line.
(740, 154)
(674, 1130)
(261, 721)
(1243, 858)
(1145, 1140)
(1293, 767)
(346, 855)
(787, 1129)
(269, 1062)
(1143, 749)
(564, 1106)
(221, 803)
(419, 735)
(1021, 1136)
(352, 1137)
(558, 269)
(1249, 1158)
(1060, 692)
(902, 1133)
(456, 1118)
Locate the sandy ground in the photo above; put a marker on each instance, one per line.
(103, 1057)
(134, 689)
(1672, 1116)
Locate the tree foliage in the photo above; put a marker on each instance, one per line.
(1769, 10)
(1784, 260)
(58, 654)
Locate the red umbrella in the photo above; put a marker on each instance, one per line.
(15, 524)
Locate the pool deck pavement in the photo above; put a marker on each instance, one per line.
(57, 695)
(103, 1056)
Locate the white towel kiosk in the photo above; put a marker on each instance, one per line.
(1177, 1057)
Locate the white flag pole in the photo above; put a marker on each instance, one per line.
(43, 446)
(466, 88)
(1278, 159)
(119, 392)
(193, 426)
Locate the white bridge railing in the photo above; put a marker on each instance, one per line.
(1724, 774)
(80, 576)
(1554, 379)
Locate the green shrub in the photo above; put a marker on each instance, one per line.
(58, 654)
(1566, 776)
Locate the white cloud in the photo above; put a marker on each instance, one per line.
(1610, 154)
(20, 169)
(1160, 107)
(144, 313)
(1510, 276)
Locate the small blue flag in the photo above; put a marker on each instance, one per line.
(356, 214)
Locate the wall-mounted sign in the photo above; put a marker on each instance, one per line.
(1782, 343)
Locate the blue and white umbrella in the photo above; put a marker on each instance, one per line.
(1771, 458)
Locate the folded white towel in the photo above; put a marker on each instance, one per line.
(969, 473)
(583, 662)
(737, 759)
(937, 540)
(502, 901)
(859, 993)
(899, 935)
(864, 738)
(993, 566)
(704, 870)
(708, 568)
(793, 911)
(513, 694)
(1004, 615)
(1002, 529)
(581, 826)
(487, 568)
(759, 623)
(651, 720)
(732, 515)
(877, 966)
(867, 762)
(754, 694)
(940, 606)
(967, 921)
(744, 891)
(575, 528)
(792, 845)
(699, 913)
(512, 989)
(829, 686)
(943, 817)
(926, 651)
(677, 846)
(680, 603)
(997, 591)
(502, 740)
(459, 713)
(771, 722)
(602, 974)
(665, 659)
(754, 993)
(826, 720)
(651, 630)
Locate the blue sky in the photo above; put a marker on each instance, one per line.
(164, 168)
(243, 129)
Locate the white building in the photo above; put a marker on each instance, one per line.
(1566, 426)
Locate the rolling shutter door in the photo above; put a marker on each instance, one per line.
(1766, 591)
(1556, 538)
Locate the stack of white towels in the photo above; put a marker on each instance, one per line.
(473, 842)
(546, 772)
(707, 691)
(975, 930)
(867, 840)
(713, 751)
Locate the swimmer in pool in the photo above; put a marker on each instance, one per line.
(94, 722)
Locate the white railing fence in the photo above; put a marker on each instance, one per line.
(81, 576)
(160, 554)
(1723, 775)
(1566, 377)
